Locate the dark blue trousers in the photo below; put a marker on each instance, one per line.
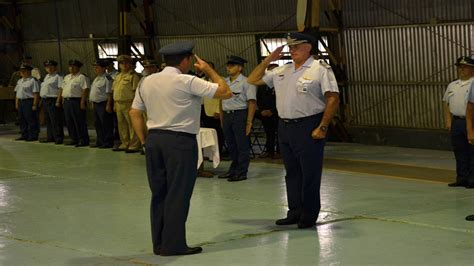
(463, 151)
(54, 120)
(303, 159)
(76, 120)
(171, 162)
(237, 142)
(29, 122)
(104, 125)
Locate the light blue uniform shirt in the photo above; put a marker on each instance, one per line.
(26, 87)
(100, 88)
(50, 85)
(456, 96)
(242, 92)
(300, 93)
(73, 85)
(173, 100)
(113, 73)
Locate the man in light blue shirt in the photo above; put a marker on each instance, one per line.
(102, 101)
(27, 100)
(307, 98)
(173, 104)
(237, 118)
(73, 94)
(455, 104)
(53, 115)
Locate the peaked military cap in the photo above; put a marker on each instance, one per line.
(50, 63)
(236, 60)
(125, 58)
(294, 38)
(177, 48)
(25, 67)
(101, 62)
(465, 60)
(149, 62)
(75, 62)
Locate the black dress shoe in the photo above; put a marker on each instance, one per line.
(226, 175)
(306, 224)
(457, 184)
(237, 178)
(32, 139)
(20, 138)
(118, 149)
(106, 147)
(46, 140)
(131, 151)
(71, 143)
(82, 144)
(470, 218)
(287, 221)
(188, 251)
(470, 185)
(58, 142)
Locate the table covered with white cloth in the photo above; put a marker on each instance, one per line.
(208, 146)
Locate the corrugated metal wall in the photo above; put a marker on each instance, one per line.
(82, 50)
(398, 75)
(216, 48)
(370, 13)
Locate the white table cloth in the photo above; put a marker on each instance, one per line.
(208, 146)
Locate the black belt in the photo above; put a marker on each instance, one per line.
(171, 132)
(459, 117)
(234, 111)
(72, 98)
(25, 100)
(298, 120)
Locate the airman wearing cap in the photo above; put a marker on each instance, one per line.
(49, 96)
(73, 95)
(237, 119)
(27, 100)
(35, 72)
(102, 102)
(124, 86)
(307, 97)
(455, 105)
(173, 103)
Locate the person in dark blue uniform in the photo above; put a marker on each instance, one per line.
(53, 115)
(470, 121)
(455, 104)
(237, 119)
(307, 98)
(172, 101)
(27, 100)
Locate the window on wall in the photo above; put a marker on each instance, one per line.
(110, 50)
(267, 45)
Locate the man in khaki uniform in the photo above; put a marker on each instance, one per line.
(124, 86)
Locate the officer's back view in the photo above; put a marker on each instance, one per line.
(172, 101)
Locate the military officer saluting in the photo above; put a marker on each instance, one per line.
(124, 86)
(101, 98)
(307, 98)
(237, 119)
(73, 95)
(27, 100)
(455, 105)
(49, 95)
(171, 145)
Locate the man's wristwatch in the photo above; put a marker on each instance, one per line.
(323, 128)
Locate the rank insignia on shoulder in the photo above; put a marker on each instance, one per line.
(324, 64)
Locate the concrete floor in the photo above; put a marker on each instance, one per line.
(61, 205)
